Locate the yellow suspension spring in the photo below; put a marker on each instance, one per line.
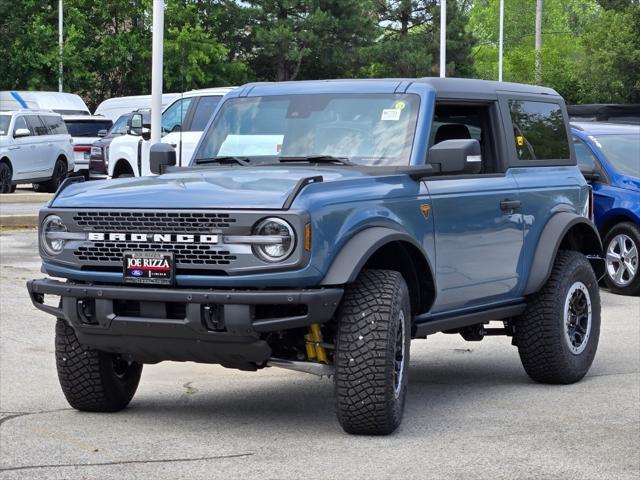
(315, 351)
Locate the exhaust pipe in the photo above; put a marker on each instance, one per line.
(319, 369)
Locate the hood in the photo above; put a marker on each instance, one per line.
(217, 187)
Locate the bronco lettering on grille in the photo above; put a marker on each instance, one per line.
(156, 237)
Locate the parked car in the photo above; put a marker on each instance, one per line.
(320, 227)
(35, 147)
(113, 108)
(603, 112)
(182, 124)
(100, 148)
(609, 156)
(85, 130)
(59, 102)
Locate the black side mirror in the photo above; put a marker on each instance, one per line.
(102, 133)
(457, 156)
(161, 155)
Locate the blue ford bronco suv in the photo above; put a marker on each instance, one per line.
(322, 226)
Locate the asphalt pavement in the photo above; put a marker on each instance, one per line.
(20, 209)
(471, 411)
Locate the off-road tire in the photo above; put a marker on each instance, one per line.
(88, 377)
(632, 232)
(6, 176)
(540, 333)
(370, 395)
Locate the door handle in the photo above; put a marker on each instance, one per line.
(14, 148)
(507, 205)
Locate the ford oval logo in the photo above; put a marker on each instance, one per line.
(136, 273)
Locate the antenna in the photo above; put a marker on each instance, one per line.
(181, 102)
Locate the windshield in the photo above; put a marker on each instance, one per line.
(368, 129)
(85, 128)
(622, 151)
(4, 124)
(120, 127)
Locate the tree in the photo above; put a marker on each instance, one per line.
(409, 44)
(295, 39)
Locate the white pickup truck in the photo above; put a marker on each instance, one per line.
(183, 122)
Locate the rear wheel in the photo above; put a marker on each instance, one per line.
(91, 380)
(6, 176)
(58, 176)
(622, 246)
(557, 336)
(372, 353)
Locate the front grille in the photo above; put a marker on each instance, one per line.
(186, 254)
(153, 222)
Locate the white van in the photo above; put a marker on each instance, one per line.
(182, 125)
(113, 108)
(59, 102)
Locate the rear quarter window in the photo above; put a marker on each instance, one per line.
(539, 130)
(55, 124)
(36, 125)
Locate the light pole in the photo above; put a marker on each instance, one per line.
(156, 69)
(501, 40)
(60, 46)
(443, 38)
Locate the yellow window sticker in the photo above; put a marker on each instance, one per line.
(400, 105)
(520, 140)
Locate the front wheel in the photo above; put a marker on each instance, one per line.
(557, 336)
(91, 380)
(622, 247)
(372, 353)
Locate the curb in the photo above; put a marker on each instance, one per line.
(26, 198)
(18, 220)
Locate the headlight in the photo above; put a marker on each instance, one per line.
(284, 240)
(50, 231)
(96, 151)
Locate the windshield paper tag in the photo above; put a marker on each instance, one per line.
(390, 114)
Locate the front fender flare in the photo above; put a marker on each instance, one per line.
(551, 238)
(354, 254)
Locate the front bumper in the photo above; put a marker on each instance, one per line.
(208, 326)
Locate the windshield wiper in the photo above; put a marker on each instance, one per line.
(317, 159)
(224, 160)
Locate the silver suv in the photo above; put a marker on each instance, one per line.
(35, 147)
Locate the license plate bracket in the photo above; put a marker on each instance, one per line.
(151, 268)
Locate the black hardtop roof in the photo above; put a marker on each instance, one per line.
(474, 86)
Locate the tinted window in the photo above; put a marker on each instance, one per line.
(173, 116)
(55, 124)
(37, 127)
(20, 123)
(539, 130)
(204, 111)
(86, 128)
(4, 124)
(585, 158)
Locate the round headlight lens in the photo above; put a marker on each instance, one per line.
(52, 243)
(283, 243)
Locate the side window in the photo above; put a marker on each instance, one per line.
(539, 130)
(120, 127)
(55, 124)
(203, 112)
(173, 116)
(36, 125)
(454, 122)
(586, 160)
(21, 123)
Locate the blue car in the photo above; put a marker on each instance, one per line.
(320, 227)
(609, 156)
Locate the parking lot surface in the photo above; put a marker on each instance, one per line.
(472, 412)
